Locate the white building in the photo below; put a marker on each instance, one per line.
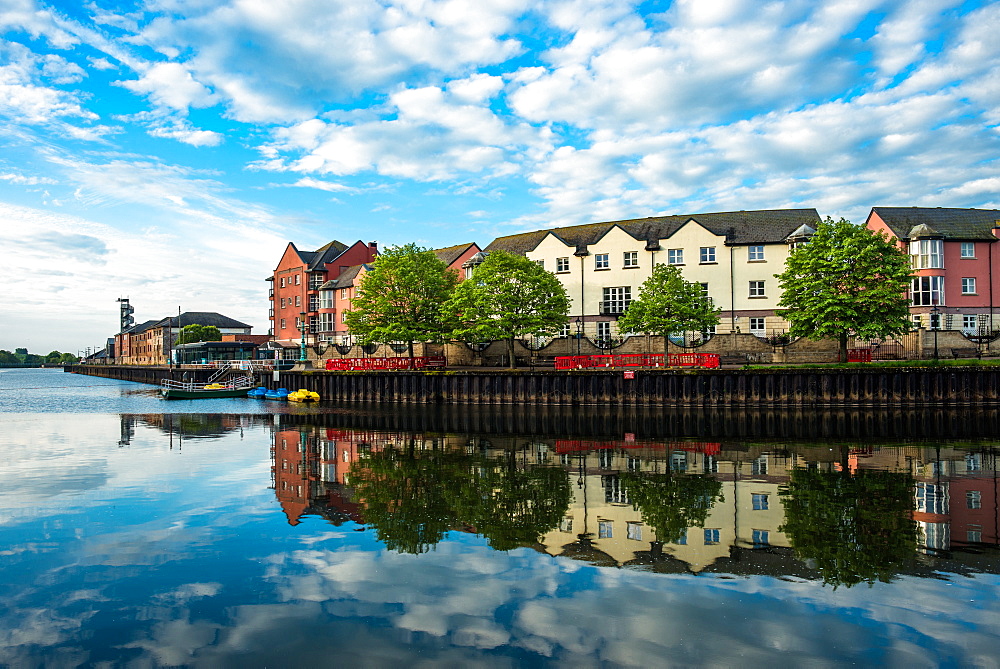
(734, 255)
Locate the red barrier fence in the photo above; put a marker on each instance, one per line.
(706, 360)
(378, 364)
(859, 355)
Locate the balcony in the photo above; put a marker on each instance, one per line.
(270, 293)
(614, 307)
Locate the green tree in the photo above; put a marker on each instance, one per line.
(854, 527)
(670, 503)
(53, 357)
(846, 280)
(667, 303)
(508, 297)
(68, 359)
(193, 333)
(400, 299)
(6, 357)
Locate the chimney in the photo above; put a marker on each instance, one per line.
(996, 229)
(373, 248)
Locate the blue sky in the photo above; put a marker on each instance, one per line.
(168, 150)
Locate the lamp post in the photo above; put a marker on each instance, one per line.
(579, 334)
(303, 330)
(935, 325)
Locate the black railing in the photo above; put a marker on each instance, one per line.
(614, 307)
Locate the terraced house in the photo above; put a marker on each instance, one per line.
(733, 255)
(956, 262)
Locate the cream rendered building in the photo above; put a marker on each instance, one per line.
(734, 255)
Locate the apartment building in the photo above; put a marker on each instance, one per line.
(733, 255)
(952, 251)
(151, 342)
(296, 282)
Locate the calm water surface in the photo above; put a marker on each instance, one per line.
(139, 532)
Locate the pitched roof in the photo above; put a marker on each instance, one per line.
(740, 228)
(141, 327)
(452, 253)
(346, 278)
(970, 224)
(203, 318)
(325, 254)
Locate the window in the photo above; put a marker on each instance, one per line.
(678, 462)
(326, 299)
(315, 281)
(756, 289)
(313, 302)
(283, 324)
(604, 459)
(926, 291)
(296, 279)
(634, 531)
(973, 462)
(968, 249)
(711, 536)
(675, 256)
(605, 529)
(566, 525)
(970, 323)
(761, 538)
(562, 265)
(710, 465)
(974, 536)
(917, 321)
(759, 502)
(927, 254)
(682, 538)
(604, 330)
(540, 263)
(757, 327)
(935, 321)
(631, 259)
(282, 303)
(343, 293)
(973, 499)
(633, 464)
(968, 285)
(343, 316)
(564, 330)
(601, 261)
(932, 498)
(755, 253)
(616, 300)
(759, 466)
(707, 254)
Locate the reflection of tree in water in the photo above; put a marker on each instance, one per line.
(412, 498)
(670, 503)
(854, 527)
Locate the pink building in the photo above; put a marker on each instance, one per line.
(955, 260)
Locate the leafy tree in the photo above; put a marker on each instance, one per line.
(193, 333)
(667, 303)
(508, 297)
(854, 527)
(846, 279)
(6, 357)
(20, 351)
(400, 299)
(53, 357)
(670, 503)
(68, 359)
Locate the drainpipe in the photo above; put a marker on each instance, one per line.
(732, 290)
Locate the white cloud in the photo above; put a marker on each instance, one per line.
(171, 85)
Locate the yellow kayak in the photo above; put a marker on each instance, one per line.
(303, 395)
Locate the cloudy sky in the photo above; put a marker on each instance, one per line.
(168, 150)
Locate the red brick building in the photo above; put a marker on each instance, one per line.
(296, 281)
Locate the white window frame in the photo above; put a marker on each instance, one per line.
(603, 329)
(927, 254)
(926, 291)
(757, 289)
(602, 261)
(968, 285)
(707, 255)
(540, 263)
(755, 253)
(562, 265)
(633, 530)
(968, 250)
(758, 326)
(759, 501)
(675, 256)
(630, 259)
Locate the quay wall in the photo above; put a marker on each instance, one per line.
(878, 387)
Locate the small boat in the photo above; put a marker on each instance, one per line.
(303, 395)
(258, 393)
(279, 394)
(199, 390)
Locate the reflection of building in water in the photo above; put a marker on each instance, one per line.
(955, 494)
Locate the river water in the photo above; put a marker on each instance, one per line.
(140, 532)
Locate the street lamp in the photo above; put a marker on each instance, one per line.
(303, 331)
(935, 325)
(579, 334)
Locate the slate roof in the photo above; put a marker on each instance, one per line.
(346, 278)
(962, 224)
(767, 226)
(324, 254)
(141, 327)
(452, 253)
(203, 318)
